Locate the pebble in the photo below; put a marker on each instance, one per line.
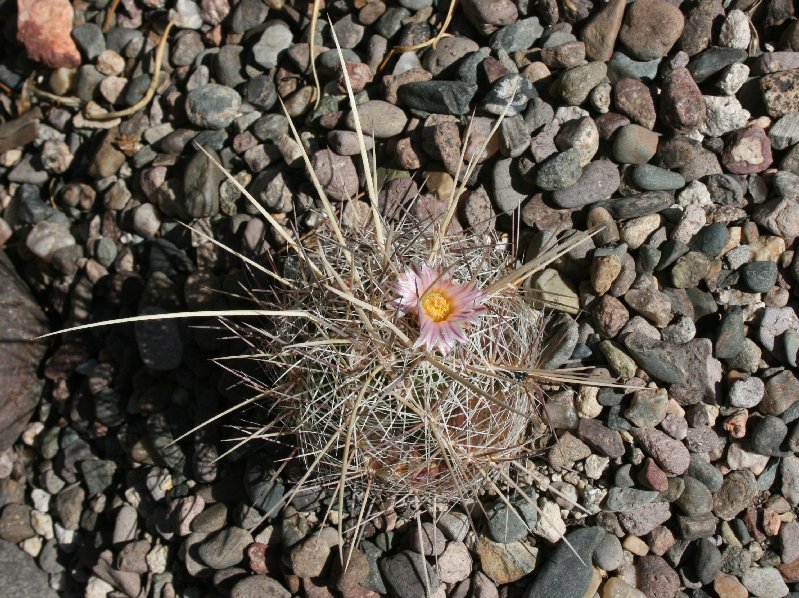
(379, 119)
(567, 572)
(652, 178)
(454, 564)
(736, 492)
(336, 174)
(765, 582)
(440, 97)
(634, 144)
(520, 35)
(599, 35)
(406, 572)
(258, 585)
(651, 28)
(747, 151)
(559, 172)
(670, 454)
(224, 548)
(212, 106)
(574, 84)
(598, 180)
(724, 114)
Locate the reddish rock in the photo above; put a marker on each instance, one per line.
(747, 151)
(536, 213)
(669, 454)
(609, 123)
(45, 29)
(656, 578)
(681, 103)
(632, 98)
(751, 519)
(610, 316)
(336, 173)
(360, 75)
(408, 154)
(790, 571)
(652, 476)
(660, 540)
(486, 15)
(650, 29)
(564, 56)
(256, 557)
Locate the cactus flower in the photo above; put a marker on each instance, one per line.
(443, 308)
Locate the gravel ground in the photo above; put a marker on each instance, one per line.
(673, 124)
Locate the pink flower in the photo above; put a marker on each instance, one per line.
(443, 308)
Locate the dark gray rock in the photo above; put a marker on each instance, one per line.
(404, 574)
(567, 573)
(201, 181)
(90, 40)
(520, 35)
(509, 525)
(440, 97)
(159, 341)
(20, 357)
(560, 171)
(759, 277)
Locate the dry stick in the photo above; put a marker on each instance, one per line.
(71, 101)
(109, 16)
(187, 314)
(148, 96)
(317, 5)
(431, 42)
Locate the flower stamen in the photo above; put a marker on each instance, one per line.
(437, 305)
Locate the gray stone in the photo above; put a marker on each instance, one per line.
(599, 180)
(509, 186)
(653, 178)
(406, 573)
(224, 548)
(275, 38)
(510, 525)
(567, 573)
(560, 171)
(21, 577)
(441, 97)
(212, 106)
(785, 132)
(520, 35)
(764, 582)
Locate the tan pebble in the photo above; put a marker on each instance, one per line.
(635, 545)
(596, 581)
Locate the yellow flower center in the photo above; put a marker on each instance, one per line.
(437, 305)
